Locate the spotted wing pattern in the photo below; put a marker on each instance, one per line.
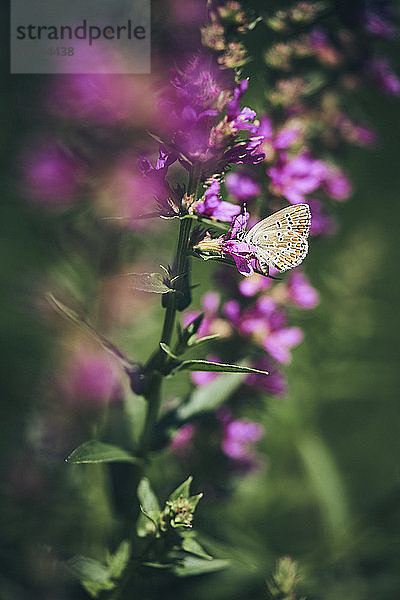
(281, 238)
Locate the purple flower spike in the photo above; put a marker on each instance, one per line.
(257, 283)
(336, 184)
(212, 205)
(156, 176)
(301, 292)
(243, 255)
(165, 160)
(234, 105)
(239, 435)
(294, 178)
(242, 185)
(279, 342)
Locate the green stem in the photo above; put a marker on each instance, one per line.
(157, 361)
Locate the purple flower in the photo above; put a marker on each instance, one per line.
(296, 177)
(336, 184)
(278, 343)
(195, 121)
(212, 205)
(181, 441)
(264, 322)
(239, 437)
(90, 378)
(301, 292)
(257, 283)
(274, 384)
(276, 141)
(234, 104)
(156, 178)
(381, 72)
(200, 83)
(52, 175)
(242, 185)
(165, 159)
(243, 254)
(245, 119)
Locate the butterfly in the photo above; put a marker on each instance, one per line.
(281, 239)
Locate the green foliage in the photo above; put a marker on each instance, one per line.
(97, 577)
(135, 410)
(182, 490)
(174, 365)
(210, 396)
(213, 367)
(191, 565)
(99, 452)
(150, 509)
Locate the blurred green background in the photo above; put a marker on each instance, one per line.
(330, 494)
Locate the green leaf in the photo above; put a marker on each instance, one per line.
(209, 397)
(191, 545)
(182, 490)
(186, 334)
(150, 515)
(167, 350)
(203, 340)
(149, 282)
(136, 410)
(157, 565)
(194, 500)
(193, 565)
(93, 575)
(193, 326)
(213, 367)
(118, 561)
(147, 497)
(99, 452)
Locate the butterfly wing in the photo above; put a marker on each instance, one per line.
(281, 238)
